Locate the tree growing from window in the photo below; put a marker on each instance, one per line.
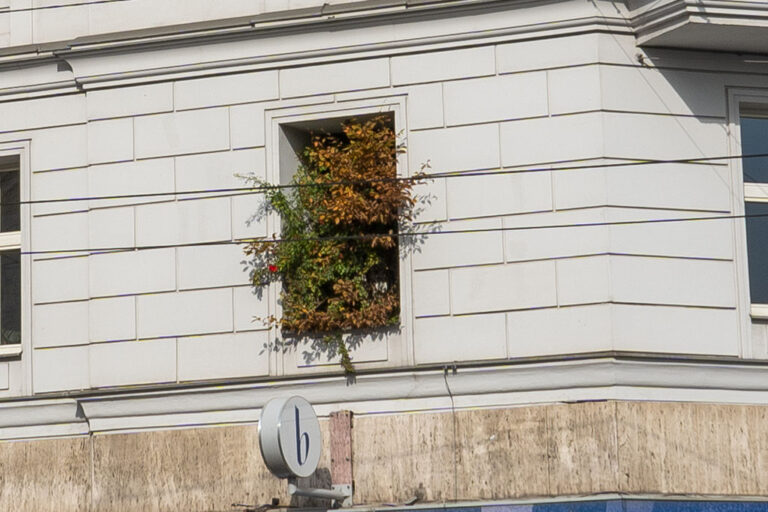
(337, 256)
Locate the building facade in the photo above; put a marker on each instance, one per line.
(585, 315)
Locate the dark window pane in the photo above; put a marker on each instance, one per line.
(754, 141)
(10, 297)
(757, 252)
(9, 201)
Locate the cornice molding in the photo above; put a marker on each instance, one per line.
(80, 53)
(502, 385)
(656, 20)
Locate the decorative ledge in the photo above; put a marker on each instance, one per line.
(502, 385)
(720, 25)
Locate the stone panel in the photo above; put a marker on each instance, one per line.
(666, 91)
(464, 148)
(110, 141)
(128, 179)
(60, 279)
(663, 137)
(41, 113)
(446, 249)
(582, 448)
(503, 287)
(417, 451)
(459, 338)
(223, 356)
(45, 476)
(218, 170)
(251, 308)
(60, 324)
(502, 453)
(481, 196)
(574, 89)
(194, 469)
(211, 266)
(130, 101)
(447, 65)
(554, 52)
(66, 184)
(425, 106)
(111, 227)
(112, 319)
(195, 131)
(431, 293)
(680, 448)
(552, 139)
(185, 313)
(59, 148)
(495, 454)
(60, 233)
(60, 369)
(182, 222)
(672, 281)
(498, 98)
(675, 329)
(123, 273)
(225, 90)
(547, 331)
(132, 362)
(522, 244)
(345, 76)
(247, 125)
(583, 280)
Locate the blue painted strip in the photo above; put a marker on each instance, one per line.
(619, 505)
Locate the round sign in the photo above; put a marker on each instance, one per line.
(290, 437)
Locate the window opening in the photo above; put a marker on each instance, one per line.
(10, 251)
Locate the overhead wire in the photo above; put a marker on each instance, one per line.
(260, 189)
(374, 236)
(59, 6)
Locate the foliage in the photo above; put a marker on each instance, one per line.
(337, 257)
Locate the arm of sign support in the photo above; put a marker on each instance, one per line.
(341, 494)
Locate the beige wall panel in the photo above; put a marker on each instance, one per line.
(195, 469)
(502, 453)
(401, 456)
(582, 448)
(52, 475)
(692, 448)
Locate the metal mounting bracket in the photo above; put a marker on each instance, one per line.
(341, 494)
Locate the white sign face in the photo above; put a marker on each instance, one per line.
(290, 437)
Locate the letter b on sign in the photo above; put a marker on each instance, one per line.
(290, 438)
(302, 440)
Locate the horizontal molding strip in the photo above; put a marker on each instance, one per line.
(503, 385)
(658, 19)
(77, 50)
(329, 55)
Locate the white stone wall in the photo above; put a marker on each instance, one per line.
(178, 314)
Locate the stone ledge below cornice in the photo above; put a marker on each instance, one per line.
(717, 25)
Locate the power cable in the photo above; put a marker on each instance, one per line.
(238, 191)
(60, 6)
(446, 369)
(373, 236)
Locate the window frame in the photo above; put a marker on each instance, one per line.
(20, 240)
(399, 349)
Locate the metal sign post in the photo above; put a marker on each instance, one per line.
(291, 443)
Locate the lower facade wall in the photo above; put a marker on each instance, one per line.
(525, 452)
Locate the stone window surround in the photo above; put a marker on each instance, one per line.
(20, 240)
(740, 101)
(400, 347)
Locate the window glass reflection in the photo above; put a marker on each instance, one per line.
(10, 297)
(754, 141)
